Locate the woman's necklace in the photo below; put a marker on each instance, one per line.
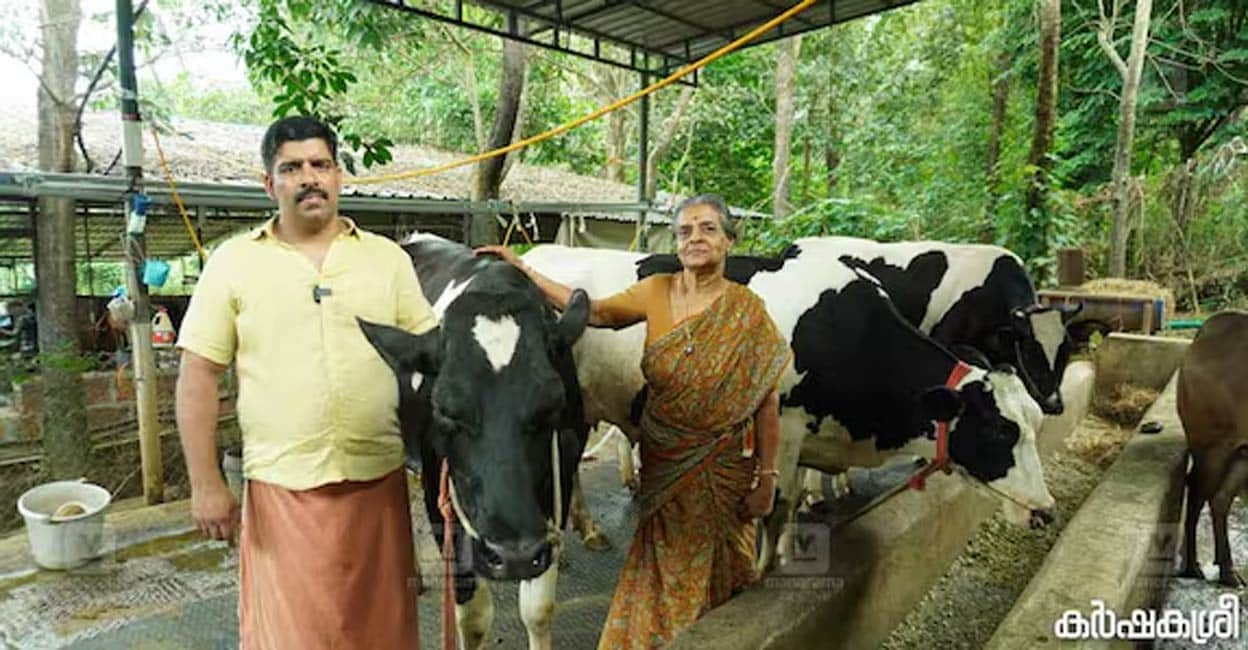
(685, 323)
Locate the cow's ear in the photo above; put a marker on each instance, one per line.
(940, 403)
(575, 318)
(401, 350)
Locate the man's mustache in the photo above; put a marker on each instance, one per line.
(310, 192)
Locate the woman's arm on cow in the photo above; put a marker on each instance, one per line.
(213, 506)
(767, 424)
(615, 312)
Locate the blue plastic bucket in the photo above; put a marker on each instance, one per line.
(155, 272)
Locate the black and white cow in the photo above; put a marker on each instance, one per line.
(976, 299)
(493, 390)
(862, 374)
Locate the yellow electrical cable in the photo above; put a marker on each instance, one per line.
(177, 200)
(568, 126)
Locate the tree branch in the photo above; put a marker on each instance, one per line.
(664, 144)
(1104, 34)
(1162, 75)
(95, 80)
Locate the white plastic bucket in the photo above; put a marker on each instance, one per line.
(71, 537)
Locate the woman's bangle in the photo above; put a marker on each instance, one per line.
(771, 472)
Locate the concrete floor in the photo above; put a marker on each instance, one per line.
(1189, 595)
(181, 591)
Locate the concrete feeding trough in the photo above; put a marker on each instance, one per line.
(880, 566)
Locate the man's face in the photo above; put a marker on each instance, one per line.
(305, 181)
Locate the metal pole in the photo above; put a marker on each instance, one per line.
(643, 153)
(143, 359)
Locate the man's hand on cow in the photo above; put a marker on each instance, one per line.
(215, 511)
(503, 252)
(760, 500)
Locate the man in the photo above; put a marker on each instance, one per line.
(326, 544)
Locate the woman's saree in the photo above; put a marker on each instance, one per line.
(692, 550)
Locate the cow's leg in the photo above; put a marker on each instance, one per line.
(624, 452)
(776, 533)
(1195, 502)
(583, 520)
(812, 488)
(537, 606)
(1220, 506)
(474, 614)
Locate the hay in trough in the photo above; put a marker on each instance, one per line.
(1125, 404)
(1098, 440)
(1132, 289)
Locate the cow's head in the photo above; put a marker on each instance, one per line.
(1036, 342)
(992, 436)
(498, 376)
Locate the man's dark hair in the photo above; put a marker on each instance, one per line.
(717, 204)
(293, 129)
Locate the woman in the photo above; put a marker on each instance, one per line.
(712, 363)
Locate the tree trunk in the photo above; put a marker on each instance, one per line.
(474, 99)
(489, 172)
(805, 193)
(1046, 105)
(66, 446)
(786, 64)
(664, 143)
(615, 82)
(832, 145)
(522, 115)
(1000, 100)
(1130, 72)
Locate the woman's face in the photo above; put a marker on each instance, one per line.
(701, 242)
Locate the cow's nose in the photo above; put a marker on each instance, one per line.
(1052, 405)
(1040, 518)
(513, 561)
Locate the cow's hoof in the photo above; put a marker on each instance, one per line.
(1230, 579)
(597, 542)
(1192, 572)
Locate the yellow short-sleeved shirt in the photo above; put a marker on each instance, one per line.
(316, 403)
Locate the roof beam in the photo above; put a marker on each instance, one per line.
(457, 20)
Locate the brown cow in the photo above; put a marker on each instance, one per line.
(1213, 383)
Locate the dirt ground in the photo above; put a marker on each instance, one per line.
(973, 597)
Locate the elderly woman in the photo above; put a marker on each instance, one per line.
(712, 363)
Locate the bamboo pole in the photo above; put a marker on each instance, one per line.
(143, 360)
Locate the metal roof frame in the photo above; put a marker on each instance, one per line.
(218, 210)
(659, 36)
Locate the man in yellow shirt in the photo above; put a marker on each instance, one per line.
(326, 542)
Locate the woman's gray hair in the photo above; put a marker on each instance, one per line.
(717, 203)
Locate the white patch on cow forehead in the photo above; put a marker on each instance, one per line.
(498, 338)
(1047, 326)
(452, 291)
(1015, 403)
(417, 380)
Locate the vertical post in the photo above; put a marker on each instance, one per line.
(143, 360)
(643, 154)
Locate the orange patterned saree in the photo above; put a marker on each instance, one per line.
(692, 550)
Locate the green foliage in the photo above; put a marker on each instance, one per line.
(890, 137)
(287, 51)
(859, 217)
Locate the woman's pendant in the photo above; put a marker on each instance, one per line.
(689, 349)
